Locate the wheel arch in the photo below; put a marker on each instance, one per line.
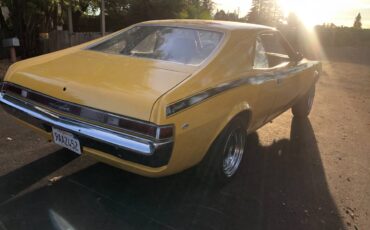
(243, 111)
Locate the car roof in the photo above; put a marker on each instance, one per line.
(208, 24)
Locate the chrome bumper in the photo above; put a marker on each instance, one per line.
(98, 135)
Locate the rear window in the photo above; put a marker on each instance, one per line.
(182, 45)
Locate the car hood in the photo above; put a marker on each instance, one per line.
(114, 83)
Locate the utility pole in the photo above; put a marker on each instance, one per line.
(102, 17)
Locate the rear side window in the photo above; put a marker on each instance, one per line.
(270, 51)
(272, 44)
(182, 45)
(260, 57)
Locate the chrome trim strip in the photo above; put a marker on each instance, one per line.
(256, 80)
(135, 144)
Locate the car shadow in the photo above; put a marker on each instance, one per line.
(16, 181)
(281, 186)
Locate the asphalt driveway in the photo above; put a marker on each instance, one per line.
(297, 174)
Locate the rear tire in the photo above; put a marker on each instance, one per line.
(303, 107)
(224, 157)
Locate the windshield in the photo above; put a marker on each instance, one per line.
(187, 46)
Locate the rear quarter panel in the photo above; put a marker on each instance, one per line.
(309, 76)
(199, 125)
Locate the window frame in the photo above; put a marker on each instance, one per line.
(216, 50)
(283, 42)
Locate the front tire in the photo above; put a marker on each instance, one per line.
(303, 107)
(224, 158)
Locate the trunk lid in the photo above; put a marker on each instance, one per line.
(117, 84)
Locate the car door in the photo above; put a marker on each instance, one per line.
(266, 86)
(282, 71)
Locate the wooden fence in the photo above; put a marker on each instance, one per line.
(57, 40)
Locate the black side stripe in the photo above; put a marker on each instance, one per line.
(256, 80)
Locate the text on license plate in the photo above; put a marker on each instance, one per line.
(66, 140)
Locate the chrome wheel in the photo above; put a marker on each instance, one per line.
(233, 151)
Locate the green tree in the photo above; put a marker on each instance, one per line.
(357, 24)
(3, 26)
(197, 9)
(27, 19)
(30, 17)
(155, 9)
(221, 15)
(142, 10)
(266, 12)
(253, 15)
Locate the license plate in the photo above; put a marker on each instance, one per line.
(66, 140)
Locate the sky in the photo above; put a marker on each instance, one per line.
(312, 12)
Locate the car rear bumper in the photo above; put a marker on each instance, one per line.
(117, 145)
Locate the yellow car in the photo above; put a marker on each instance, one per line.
(162, 96)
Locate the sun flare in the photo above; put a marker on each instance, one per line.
(314, 12)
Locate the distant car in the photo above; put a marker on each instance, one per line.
(162, 96)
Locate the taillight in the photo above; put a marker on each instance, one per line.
(11, 88)
(165, 132)
(139, 127)
(147, 129)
